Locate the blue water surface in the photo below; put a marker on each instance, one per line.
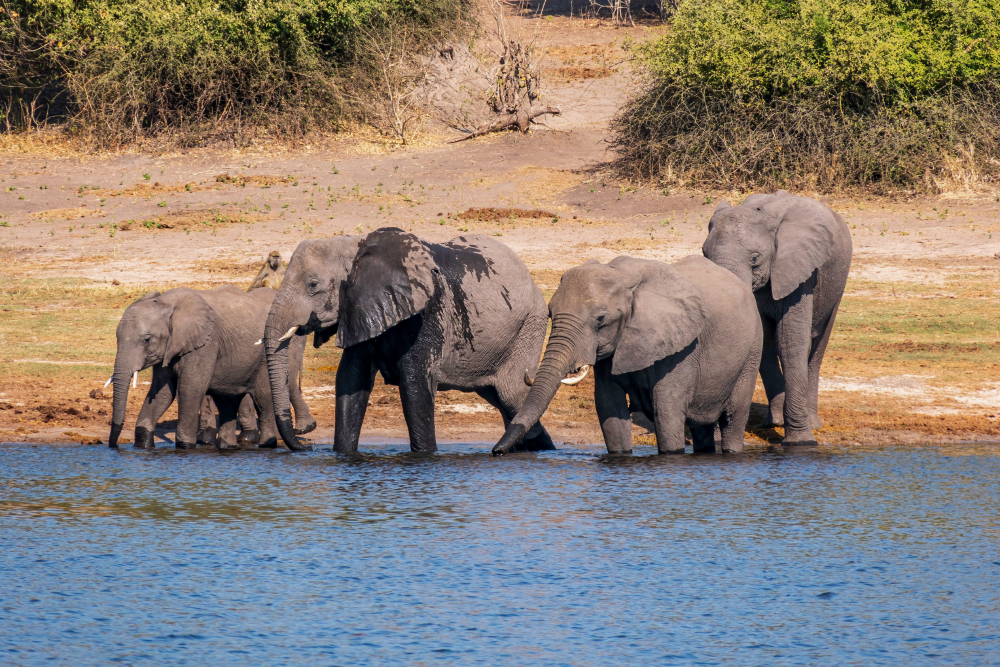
(836, 557)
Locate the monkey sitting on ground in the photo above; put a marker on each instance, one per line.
(270, 274)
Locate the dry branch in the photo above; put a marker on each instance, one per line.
(522, 120)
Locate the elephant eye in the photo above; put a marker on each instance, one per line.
(755, 259)
(600, 319)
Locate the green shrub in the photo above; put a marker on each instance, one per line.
(131, 68)
(818, 93)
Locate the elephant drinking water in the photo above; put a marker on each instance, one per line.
(680, 343)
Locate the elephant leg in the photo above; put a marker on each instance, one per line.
(208, 428)
(794, 335)
(703, 439)
(246, 418)
(228, 411)
(304, 421)
(611, 402)
(417, 397)
(815, 361)
(773, 380)
(160, 396)
(190, 392)
(355, 379)
(536, 439)
(733, 421)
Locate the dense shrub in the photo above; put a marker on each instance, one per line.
(819, 93)
(131, 68)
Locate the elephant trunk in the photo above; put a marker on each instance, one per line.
(279, 321)
(125, 367)
(561, 353)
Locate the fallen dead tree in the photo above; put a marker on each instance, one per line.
(522, 120)
(516, 81)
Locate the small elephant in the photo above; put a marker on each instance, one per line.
(198, 343)
(678, 342)
(795, 254)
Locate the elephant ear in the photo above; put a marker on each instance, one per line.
(667, 315)
(391, 280)
(803, 243)
(192, 321)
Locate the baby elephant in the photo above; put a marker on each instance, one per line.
(198, 343)
(679, 342)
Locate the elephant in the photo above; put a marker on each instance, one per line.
(462, 315)
(198, 343)
(307, 302)
(678, 342)
(247, 414)
(795, 254)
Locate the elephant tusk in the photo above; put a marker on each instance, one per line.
(527, 378)
(578, 378)
(289, 334)
(135, 378)
(110, 379)
(259, 342)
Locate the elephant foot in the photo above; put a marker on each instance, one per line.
(180, 444)
(796, 442)
(308, 428)
(143, 438)
(270, 443)
(540, 443)
(817, 423)
(223, 444)
(249, 436)
(207, 436)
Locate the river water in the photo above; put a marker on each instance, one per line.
(872, 556)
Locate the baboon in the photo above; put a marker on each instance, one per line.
(270, 274)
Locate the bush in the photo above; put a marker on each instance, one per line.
(818, 93)
(131, 68)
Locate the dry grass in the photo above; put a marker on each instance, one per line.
(192, 220)
(582, 73)
(67, 213)
(500, 214)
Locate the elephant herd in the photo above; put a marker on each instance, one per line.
(681, 343)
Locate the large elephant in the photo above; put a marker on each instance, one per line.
(462, 315)
(198, 343)
(680, 343)
(795, 253)
(307, 302)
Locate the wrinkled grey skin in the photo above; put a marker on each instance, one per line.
(795, 253)
(247, 415)
(309, 298)
(678, 342)
(198, 343)
(462, 315)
